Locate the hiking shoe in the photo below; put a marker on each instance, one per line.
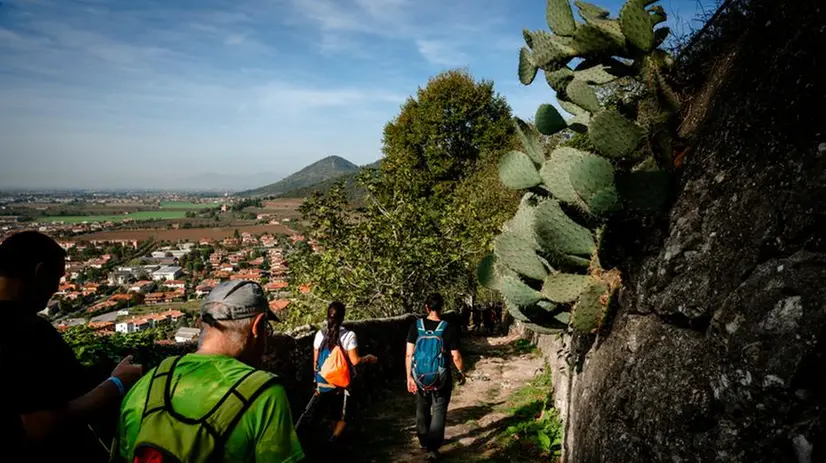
(433, 455)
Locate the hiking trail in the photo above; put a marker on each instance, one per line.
(497, 369)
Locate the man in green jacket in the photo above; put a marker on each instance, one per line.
(213, 403)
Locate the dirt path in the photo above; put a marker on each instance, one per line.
(498, 367)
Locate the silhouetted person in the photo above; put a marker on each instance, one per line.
(48, 394)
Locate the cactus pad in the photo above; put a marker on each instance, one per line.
(560, 17)
(527, 70)
(580, 122)
(590, 175)
(557, 233)
(548, 120)
(517, 171)
(530, 141)
(582, 95)
(600, 72)
(548, 51)
(555, 173)
(516, 252)
(516, 291)
(604, 202)
(657, 15)
(558, 79)
(589, 311)
(486, 272)
(613, 135)
(590, 39)
(589, 10)
(563, 288)
(636, 25)
(611, 28)
(570, 107)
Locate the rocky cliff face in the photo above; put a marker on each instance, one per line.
(717, 352)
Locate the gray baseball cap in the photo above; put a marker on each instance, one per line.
(236, 300)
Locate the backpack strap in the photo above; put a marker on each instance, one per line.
(440, 329)
(158, 395)
(420, 327)
(224, 416)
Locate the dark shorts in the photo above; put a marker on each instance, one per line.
(332, 405)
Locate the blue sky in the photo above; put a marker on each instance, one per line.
(99, 93)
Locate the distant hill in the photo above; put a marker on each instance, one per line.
(354, 192)
(317, 172)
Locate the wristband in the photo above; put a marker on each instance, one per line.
(118, 383)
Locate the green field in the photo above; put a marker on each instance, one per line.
(186, 205)
(142, 215)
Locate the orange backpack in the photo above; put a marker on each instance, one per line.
(335, 368)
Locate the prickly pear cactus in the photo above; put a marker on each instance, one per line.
(546, 262)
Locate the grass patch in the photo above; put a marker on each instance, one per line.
(142, 215)
(535, 431)
(186, 205)
(523, 346)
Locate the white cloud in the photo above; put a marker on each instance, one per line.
(441, 52)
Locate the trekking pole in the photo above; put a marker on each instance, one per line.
(309, 406)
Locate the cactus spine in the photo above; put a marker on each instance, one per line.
(546, 262)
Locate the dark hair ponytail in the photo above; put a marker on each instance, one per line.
(335, 316)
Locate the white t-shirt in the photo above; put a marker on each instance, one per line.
(347, 338)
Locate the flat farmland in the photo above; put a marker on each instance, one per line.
(141, 215)
(186, 205)
(191, 234)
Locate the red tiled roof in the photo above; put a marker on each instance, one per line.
(279, 304)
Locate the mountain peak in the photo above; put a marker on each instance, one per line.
(319, 171)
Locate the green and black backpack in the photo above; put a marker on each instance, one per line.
(166, 436)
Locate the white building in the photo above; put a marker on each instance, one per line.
(171, 272)
(125, 327)
(186, 334)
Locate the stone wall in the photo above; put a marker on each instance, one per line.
(717, 350)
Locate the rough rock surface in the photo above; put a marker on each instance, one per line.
(717, 353)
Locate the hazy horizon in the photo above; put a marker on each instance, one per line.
(98, 94)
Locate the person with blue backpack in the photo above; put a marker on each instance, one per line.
(430, 341)
(335, 353)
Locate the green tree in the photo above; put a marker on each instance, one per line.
(440, 134)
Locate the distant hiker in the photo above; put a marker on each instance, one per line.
(213, 405)
(42, 383)
(335, 352)
(429, 375)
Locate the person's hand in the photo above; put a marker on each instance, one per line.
(462, 378)
(411, 385)
(129, 373)
(370, 358)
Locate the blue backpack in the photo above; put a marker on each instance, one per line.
(430, 367)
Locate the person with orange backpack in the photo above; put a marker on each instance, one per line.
(335, 353)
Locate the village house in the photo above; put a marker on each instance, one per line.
(102, 326)
(129, 298)
(221, 275)
(205, 287)
(230, 242)
(142, 286)
(206, 242)
(278, 305)
(119, 278)
(100, 306)
(168, 273)
(186, 334)
(229, 268)
(256, 262)
(274, 286)
(216, 257)
(176, 284)
(90, 288)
